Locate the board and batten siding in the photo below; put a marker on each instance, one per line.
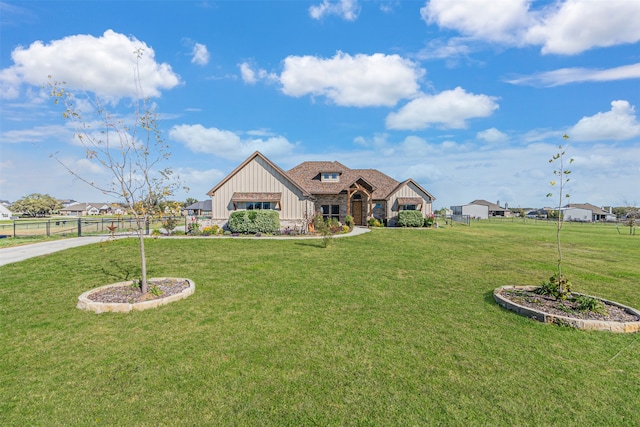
(259, 177)
(409, 190)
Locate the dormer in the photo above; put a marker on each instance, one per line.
(329, 176)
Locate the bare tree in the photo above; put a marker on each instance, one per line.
(131, 149)
(562, 174)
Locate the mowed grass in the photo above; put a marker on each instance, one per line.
(395, 327)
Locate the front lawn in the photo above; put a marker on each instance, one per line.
(395, 327)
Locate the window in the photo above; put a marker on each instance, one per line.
(330, 177)
(408, 207)
(330, 211)
(259, 205)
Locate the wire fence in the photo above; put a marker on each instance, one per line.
(73, 227)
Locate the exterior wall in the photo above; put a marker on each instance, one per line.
(409, 190)
(473, 211)
(577, 214)
(332, 199)
(259, 177)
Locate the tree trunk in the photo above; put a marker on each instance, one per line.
(144, 286)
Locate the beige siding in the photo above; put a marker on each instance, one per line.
(409, 190)
(258, 177)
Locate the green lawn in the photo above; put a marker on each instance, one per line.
(395, 327)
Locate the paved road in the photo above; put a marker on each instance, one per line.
(20, 253)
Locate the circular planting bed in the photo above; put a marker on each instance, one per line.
(524, 301)
(126, 296)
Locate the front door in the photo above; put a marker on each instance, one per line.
(356, 211)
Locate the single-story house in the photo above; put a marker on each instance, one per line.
(480, 209)
(315, 188)
(88, 209)
(586, 212)
(5, 213)
(199, 208)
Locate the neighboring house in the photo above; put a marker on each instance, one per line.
(586, 212)
(537, 213)
(89, 209)
(329, 189)
(199, 208)
(5, 213)
(471, 210)
(480, 209)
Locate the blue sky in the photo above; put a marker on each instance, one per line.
(468, 97)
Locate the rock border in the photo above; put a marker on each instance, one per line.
(84, 303)
(584, 324)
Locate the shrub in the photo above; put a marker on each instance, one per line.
(374, 222)
(251, 222)
(587, 303)
(169, 223)
(559, 288)
(410, 219)
(194, 229)
(429, 220)
(348, 221)
(211, 230)
(346, 229)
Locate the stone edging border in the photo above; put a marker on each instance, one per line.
(584, 324)
(84, 303)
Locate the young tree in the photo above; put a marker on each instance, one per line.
(36, 205)
(132, 150)
(562, 175)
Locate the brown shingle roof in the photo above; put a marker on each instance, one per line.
(308, 176)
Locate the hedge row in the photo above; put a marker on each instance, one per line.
(258, 221)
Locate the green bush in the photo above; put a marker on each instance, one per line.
(410, 219)
(251, 222)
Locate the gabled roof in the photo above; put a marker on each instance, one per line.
(410, 180)
(308, 175)
(588, 206)
(245, 163)
(203, 206)
(492, 206)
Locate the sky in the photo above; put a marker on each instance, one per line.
(470, 98)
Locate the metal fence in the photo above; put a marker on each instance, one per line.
(71, 227)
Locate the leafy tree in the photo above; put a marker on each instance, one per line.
(562, 178)
(132, 150)
(36, 205)
(190, 201)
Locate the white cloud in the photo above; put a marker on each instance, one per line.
(579, 25)
(226, 144)
(35, 134)
(618, 124)
(347, 9)
(200, 54)
(251, 76)
(360, 80)
(103, 65)
(450, 109)
(492, 20)
(565, 27)
(492, 136)
(564, 76)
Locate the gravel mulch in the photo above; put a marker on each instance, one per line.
(127, 294)
(567, 307)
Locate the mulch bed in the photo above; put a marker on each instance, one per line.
(567, 308)
(127, 294)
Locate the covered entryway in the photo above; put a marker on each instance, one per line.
(358, 191)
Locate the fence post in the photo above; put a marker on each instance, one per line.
(48, 228)
(146, 227)
(14, 228)
(79, 226)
